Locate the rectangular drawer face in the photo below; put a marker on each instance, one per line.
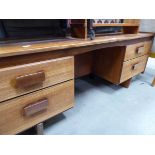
(133, 67)
(136, 50)
(22, 79)
(26, 111)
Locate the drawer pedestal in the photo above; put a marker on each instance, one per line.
(37, 81)
(119, 64)
(35, 92)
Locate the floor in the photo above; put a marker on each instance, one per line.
(107, 109)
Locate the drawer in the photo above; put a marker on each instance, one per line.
(23, 79)
(21, 113)
(133, 67)
(136, 50)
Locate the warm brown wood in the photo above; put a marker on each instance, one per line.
(133, 67)
(83, 64)
(116, 24)
(126, 84)
(41, 56)
(132, 21)
(79, 28)
(148, 46)
(36, 107)
(46, 46)
(29, 80)
(126, 22)
(153, 82)
(103, 56)
(136, 50)
(130, 29)
(40, 129)
(12, 119)
(108, 63)
(133, 27)
(55, 70)
(139, 49)
(129, 26)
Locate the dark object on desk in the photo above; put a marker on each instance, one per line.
(107, 30)
(12, 29)
(91, 32)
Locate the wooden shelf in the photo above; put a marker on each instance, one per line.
(79, 27)
(116, 24)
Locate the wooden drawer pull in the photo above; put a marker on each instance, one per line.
(134, 67)
(36, 107)
(138, 49)
(28, 80)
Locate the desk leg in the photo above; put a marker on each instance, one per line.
(40, 129)
(126, 84)
(153, 83)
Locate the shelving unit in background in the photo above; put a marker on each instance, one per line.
(79, 27)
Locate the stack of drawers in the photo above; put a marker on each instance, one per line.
(121, 63)
(135, 59)
(34, 92)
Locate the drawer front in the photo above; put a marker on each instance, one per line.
(26, 111)
(19, 80)
(136, 50)
(133, 67)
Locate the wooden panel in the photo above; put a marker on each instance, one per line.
(133, 27)
(148, 46)
(130, 29)
(83, 64)
(133, 67)
(12, 118)
(126, 83)
(132, 21)
(79, 28)
(55, 70)
(44, 46)
(116, 24)
(41, 56)
(136, 50)
(108, 63)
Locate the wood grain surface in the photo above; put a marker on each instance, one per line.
(55, 70)
(29, 47)
(133, 67)
(12, 117)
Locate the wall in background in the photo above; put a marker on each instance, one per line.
(148, 25)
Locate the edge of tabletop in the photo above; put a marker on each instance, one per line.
(20, 49)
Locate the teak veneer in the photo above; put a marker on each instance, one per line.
(13, 117)
(37, 78)
(44, 46)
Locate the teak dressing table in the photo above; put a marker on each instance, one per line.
(37, 79)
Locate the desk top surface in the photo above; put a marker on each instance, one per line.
(50, 45)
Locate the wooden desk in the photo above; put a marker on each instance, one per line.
(37, 79)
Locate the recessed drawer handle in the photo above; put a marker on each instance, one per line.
(28, 80)
(138, 51)
(135, 66)
(36, 107)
